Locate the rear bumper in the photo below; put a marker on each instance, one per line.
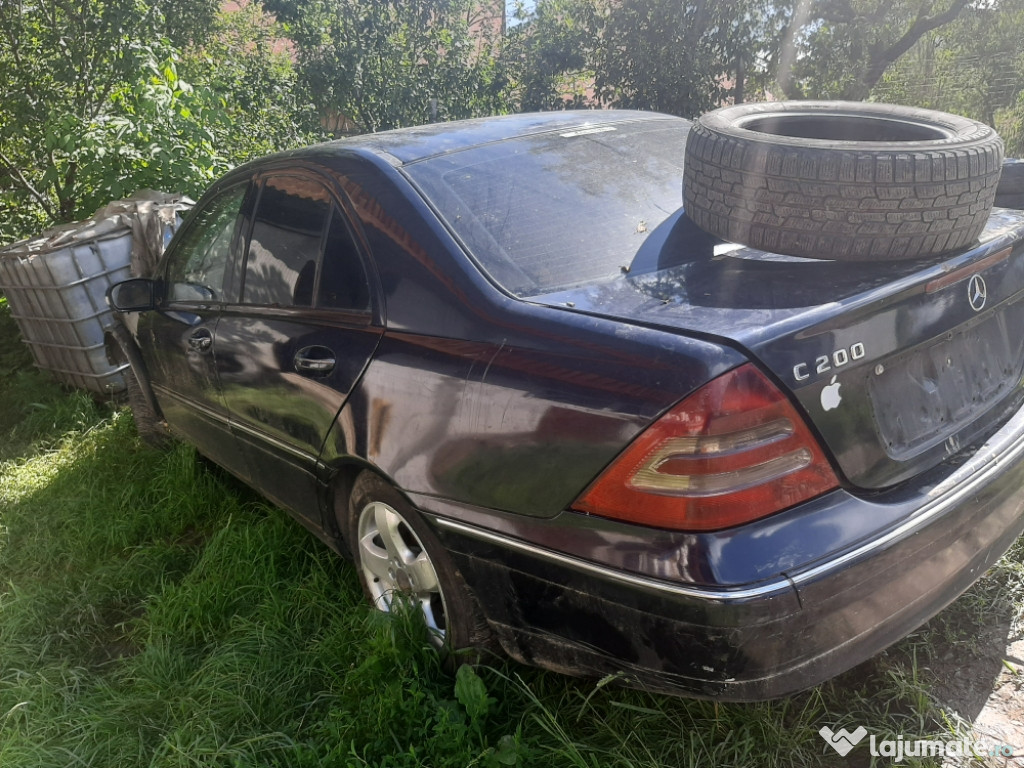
(760, 640)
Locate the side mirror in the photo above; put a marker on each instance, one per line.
(135, 295)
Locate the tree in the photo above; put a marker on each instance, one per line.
(93, 107)
(973, 67)
(548, 54)
(60, 65)
(98, 102)
(244, 63)
(390, 63)
(1010, 124)
(840, 49)
(681, 57)
(190, 23)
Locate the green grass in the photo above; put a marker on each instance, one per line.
(154, 613)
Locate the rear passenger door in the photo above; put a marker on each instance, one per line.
(297, 340)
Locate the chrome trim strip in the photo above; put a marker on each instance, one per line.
(206, 411)
(765, 589)
(265, 439)
(305, 456)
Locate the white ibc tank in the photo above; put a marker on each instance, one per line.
(56, 284)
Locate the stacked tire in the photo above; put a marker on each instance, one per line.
(1010, 192)
(841, 180)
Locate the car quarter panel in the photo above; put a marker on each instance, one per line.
(788, 545)
(485, 399)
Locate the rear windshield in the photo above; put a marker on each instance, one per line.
(555, 211)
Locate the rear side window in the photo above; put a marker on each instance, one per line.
(196, 268)
(553, 211)
(343, 283)
(286, 241)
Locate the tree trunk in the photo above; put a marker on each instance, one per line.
(741, 74)
(881, 59)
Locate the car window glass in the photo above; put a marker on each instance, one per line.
(548, 212)
(196, 268)
(342, 280)
(285, 244)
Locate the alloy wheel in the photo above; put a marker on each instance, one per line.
(395, 562)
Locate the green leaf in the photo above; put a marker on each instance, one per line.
(507, 752)
(472, 693)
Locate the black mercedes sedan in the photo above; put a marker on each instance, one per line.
(496, 363)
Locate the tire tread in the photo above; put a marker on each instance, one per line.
(841, 203)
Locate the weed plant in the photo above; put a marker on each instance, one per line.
(155, 613)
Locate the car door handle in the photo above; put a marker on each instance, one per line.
(201, 341)
(315, 360)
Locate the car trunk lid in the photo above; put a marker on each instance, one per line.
(898, 367)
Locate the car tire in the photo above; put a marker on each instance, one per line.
(396, 551)
(841, 180)
(1010, 192)
(147, 421)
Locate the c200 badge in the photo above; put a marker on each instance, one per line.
(824, 363)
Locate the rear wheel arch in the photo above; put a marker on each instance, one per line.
(339, 492)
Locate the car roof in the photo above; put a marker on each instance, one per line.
(409, 145)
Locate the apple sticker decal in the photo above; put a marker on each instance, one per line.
(830, 397)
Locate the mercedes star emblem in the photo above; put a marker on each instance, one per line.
(977, 292)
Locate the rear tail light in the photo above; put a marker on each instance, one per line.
(734, 451)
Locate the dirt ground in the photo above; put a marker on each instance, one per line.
(981, 679)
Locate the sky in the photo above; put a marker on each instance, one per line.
(510, 6)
